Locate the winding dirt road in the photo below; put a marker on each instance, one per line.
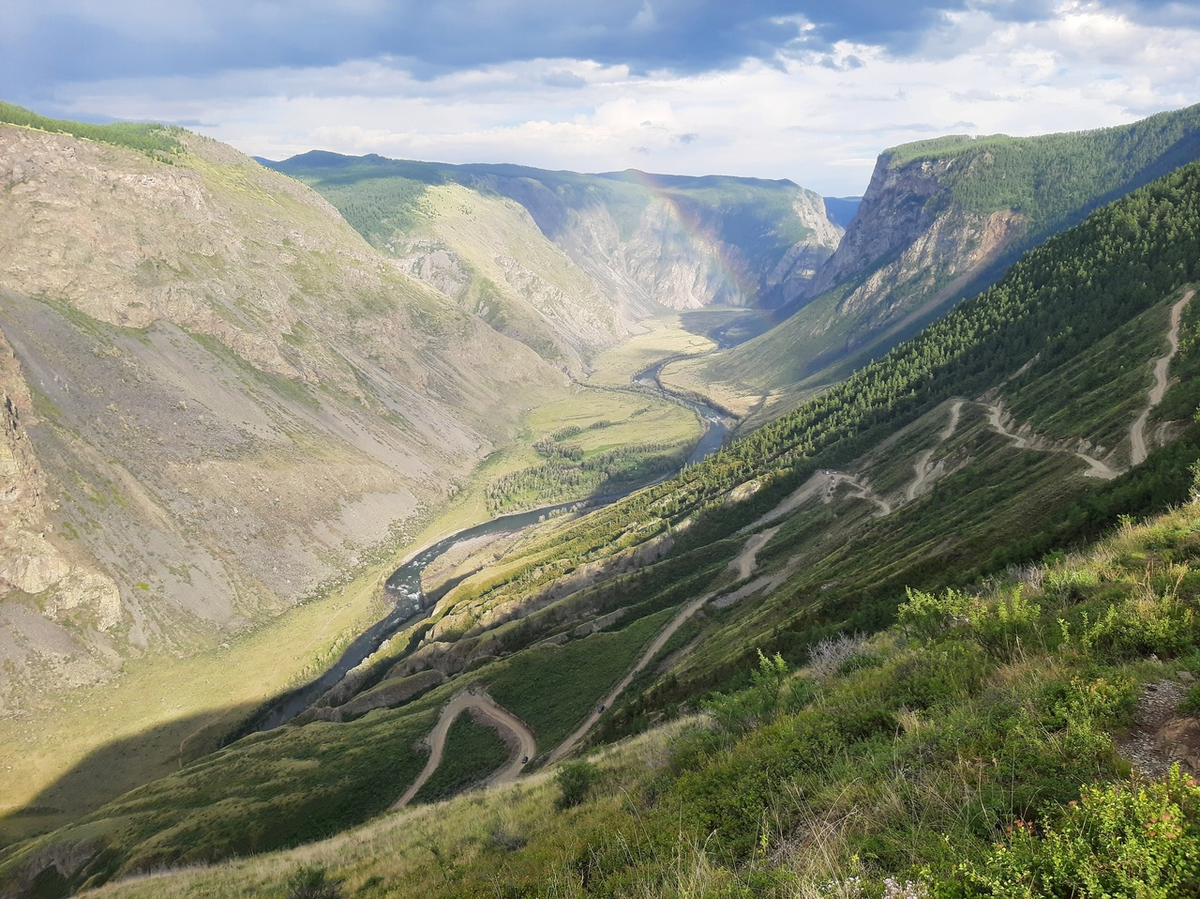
(744, 565)
(822, 483)
(809, 489)
(746, 559)
(1096, 468)
(504, 720)
(864, 491)
(659, 642)
(1137, 433)
(500, 718)
(921, 463)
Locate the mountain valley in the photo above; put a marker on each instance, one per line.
(910, 605)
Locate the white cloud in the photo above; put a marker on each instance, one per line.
(819, 119)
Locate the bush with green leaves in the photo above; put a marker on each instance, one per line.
(1135, 840)
(313, 882)
(575, 780)
(737, 713)
(926, 615)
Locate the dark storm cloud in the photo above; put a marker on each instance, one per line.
(73, 40)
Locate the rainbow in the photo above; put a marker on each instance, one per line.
(734, 287)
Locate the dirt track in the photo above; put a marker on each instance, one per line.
(1096, 468)
(1137, 433)
(659, 642)
(501, 718)
(921, 464)
(505, 720)
(745, 563)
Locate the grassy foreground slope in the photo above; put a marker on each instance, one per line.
(980, 747)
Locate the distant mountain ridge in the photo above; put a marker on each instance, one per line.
(646, 242)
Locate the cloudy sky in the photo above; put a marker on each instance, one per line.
(810, 90)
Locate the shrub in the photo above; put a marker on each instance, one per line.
(1002, 624)
(1162, 625)
(831, 655)
(758, 704)
(313, 882)
(1117, 840)
(575, 780)
(926, 615)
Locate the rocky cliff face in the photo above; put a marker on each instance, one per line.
(486, 253)
(909, 236)
(214, 398)
(910, 250)
(918, 248)
(936, 223)
(58, 611)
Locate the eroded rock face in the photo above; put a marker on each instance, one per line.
(680, 259)
(918, 243)
(665, 244)
(909, 251)
(215, 398)
(57, 609)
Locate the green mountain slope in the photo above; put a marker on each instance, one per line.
(978, 748)
(927, 469)
(940, 220)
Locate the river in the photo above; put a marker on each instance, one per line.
(404, 584)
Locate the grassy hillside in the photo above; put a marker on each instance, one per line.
(1056, 178)
(978, 748)
(647, 241)
(1058, 302)
(157, 141)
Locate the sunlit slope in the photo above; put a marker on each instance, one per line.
(1018, 730)
(939, 221)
